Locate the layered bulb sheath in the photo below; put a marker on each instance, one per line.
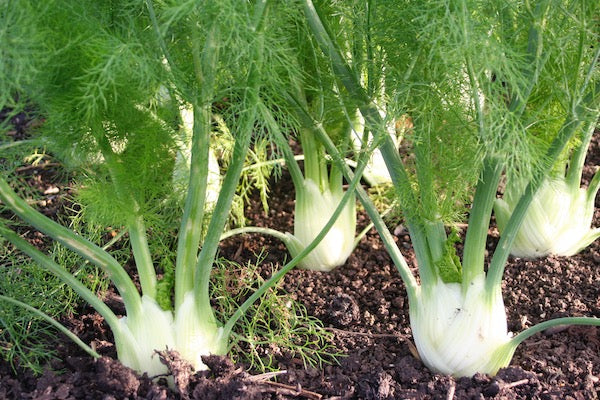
(461, 333)
(313, 209)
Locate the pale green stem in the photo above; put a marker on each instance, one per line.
(314, 160)
(593, 187)
(54, 323)
(542, 326)
(15, 144)
(536, 58)
(230, 182)
(114, 240)
(291, 161)
(142, 256)
(78, 244)
(436, 239)
(221, 212)
(479, 220)
(362, 233)
(255, 229)
(64, 275)
(190, 231)
(577, 161)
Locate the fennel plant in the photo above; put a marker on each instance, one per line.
(465, 73)
(318, 183)
(560, 215)
(97, 72)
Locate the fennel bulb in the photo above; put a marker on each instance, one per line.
(558, 221)
(312, 211)
(460, 333)
(197, 333)
(138, 338)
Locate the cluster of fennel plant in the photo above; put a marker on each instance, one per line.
(465, 73)
(100, 81)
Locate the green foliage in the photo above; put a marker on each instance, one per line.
(255, 176)
(23, 336)
(18, 47)
(276, 326)
(449, 266)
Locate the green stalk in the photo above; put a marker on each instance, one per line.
(479, 220)
(371, 76)
(527, 333)
(221, 211)
(173, 70)
(81, 246)
(135, 226)
(594, 185)
(536, 58)
(5, 146)
(255, 229)
(52, 322)
(577, 161)
(142, 256)
(64, 275)
(291, 161)
(367, 228)
(579, 113)
(427, 196)
(190, 231)
(242, 143)
(313, 159)
(336, 179)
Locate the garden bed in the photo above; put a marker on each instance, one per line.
(364, 304)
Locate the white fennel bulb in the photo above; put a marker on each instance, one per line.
(558, 220)
(196, 333)
(313, 209)
(461, 333)
(140, 336)
(192, 334)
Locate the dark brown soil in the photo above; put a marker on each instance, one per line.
(364, 304)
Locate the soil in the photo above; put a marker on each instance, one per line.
(364, 304)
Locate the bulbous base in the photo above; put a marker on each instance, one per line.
(458, 333)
